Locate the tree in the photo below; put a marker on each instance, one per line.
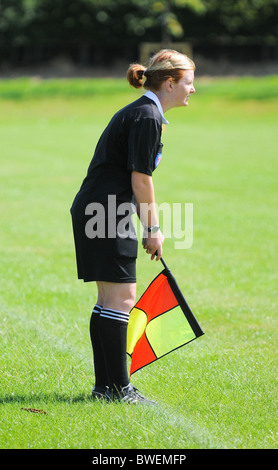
(143, 15)
(247, 17)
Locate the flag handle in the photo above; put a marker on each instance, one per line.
(164, 264)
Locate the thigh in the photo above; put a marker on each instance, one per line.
(115, 295)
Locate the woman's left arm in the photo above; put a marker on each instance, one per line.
(143, 190)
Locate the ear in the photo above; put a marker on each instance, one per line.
(169, 85)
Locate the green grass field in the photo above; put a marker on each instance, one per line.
(220, 154)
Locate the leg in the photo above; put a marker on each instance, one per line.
(117, 300)
(120, 296)
(101, 376)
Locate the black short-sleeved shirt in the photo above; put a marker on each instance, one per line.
(131, 141)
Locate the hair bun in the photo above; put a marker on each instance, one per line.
(135, 75)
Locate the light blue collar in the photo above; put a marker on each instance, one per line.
(152, 96)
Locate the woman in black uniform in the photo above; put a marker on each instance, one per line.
(119, 179)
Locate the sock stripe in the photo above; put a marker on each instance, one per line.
(112, 310)
(97, 308)
(114, 314)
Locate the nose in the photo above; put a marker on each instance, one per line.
(192, 90)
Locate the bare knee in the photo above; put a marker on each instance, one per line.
(118, 296)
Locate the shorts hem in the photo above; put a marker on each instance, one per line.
(119, 281)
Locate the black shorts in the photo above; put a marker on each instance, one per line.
(103, 259)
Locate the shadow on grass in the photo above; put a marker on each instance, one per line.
(46, 398)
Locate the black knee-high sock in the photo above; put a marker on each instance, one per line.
(113, 333)
(101, 378)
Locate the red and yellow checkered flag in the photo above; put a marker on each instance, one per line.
(160, 322)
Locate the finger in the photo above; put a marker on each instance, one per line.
(158, 254)
(154, 255)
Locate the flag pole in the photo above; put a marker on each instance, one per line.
(164, 264)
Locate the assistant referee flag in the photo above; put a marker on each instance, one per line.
(160, 322)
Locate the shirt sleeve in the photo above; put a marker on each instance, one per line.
(143, 142)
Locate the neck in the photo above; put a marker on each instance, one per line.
(163, 100)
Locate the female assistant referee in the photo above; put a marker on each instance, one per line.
(120, 172)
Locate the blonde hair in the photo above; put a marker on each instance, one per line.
(164, 64)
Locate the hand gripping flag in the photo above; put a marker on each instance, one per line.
(160, 322)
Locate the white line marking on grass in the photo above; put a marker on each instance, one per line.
(188, 429)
